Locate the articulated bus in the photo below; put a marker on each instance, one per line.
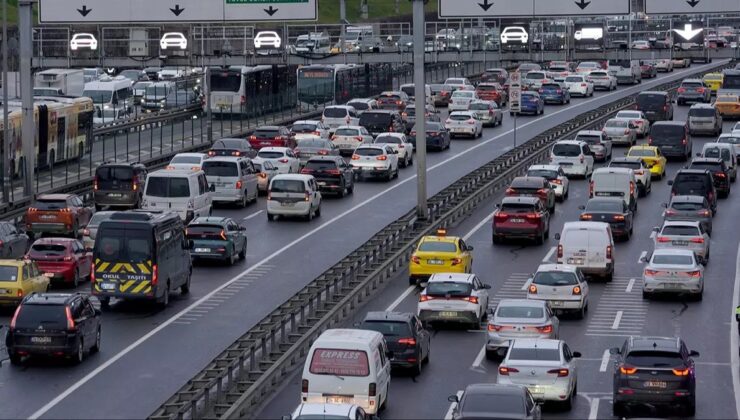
(233, 88)
(333, 84)
(63, 128)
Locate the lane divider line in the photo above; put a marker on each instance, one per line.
(643, 254)
(479, 358)
(629, 286)
(617, 319)
(128, 349)
(253, 215)
(604, 361)
(593, 412)
(549, 254)
(400, 299)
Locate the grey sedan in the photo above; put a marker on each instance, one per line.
(519, 318)
(621, 131)
(693, 208)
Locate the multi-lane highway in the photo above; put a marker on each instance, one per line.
(148, 354)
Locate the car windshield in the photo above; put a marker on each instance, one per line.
(590, 139)
(266, 133)
(479, 404)
(369, 118)
(270, 155)
(611, 206)
(729, 140)
(186, 159)
(311, 143)
(461, 117)
(716, 152)
(524, 353)
(172, 187)
(50, 316)
(50, 204)
(9, 273)
(617, 124)
(479, 107)
(689, 183)
(678, 230)
(451, 288)
(360, 106)
(437, 246)
(216, 168)
(641, 152)
(518, 208)
(389, 328)
(321, 165)
(287, 186)
(335, 112)
(555, 278)
(529, 312)
(701, 112)
(99, 96)
(710, 166)
(339, 362)
(548, 174)
(651, 358)
(303, 128)
(662, 134)
(116, 243)
(630, 165)
(692, 85)
(388, 140)
(687, 206)
(628, 114)
(566, 150)
(535, 75)
(98, 217)
(672, 259)
(726, 98)
(651, 100)
(368, 151)
(229, 144)
(347, 132)
(463, 94)
(574, 79)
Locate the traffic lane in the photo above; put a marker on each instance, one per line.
(301, 254)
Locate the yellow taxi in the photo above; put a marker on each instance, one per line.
(728, 106)
(714, 81)
(19, 278)
(652, 157)
(440, 254)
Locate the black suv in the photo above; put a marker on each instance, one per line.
(405, 336)
(382, 121)
(332, 174)
(119, 184)
(720, 173)
(656, 105)
(54, 324)
(695, 182)
(651, 371)
(672, 138)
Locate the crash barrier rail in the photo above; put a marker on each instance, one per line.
(237, 382)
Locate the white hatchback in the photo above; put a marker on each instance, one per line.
(400, 143)
(461, 99)
(579, 85)
(562, 286)
(282, 157)
(573, 156)
(187, 161)
(349, 137)
(453, 297)
(464, 123)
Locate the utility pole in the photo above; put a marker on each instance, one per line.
(7, 148)
(420, 103)
(25, 27)
(343, 21)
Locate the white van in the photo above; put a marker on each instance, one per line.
(180, 191)
(155, 96)
(336, 115)
(313, 42)
(615, 182)
(726, 152)
(574, 157)
(293, 195)
(110, 92)
(231, 179)
(348, 366)
(410, 89)
(588, 246)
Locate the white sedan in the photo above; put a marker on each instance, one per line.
(675, 271)
(555, 176)
(349, 137)
(400, 143)
(637, 118)
(464, 123)
(187, 161)
(461, 99)
(309, 129)
(283, 158)
(579, 85)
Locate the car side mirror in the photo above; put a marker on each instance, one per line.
(615, 350)
(576, 354)
(664, 205)
(470, 248)
(242, 228)
(581, 207)
(453, 399)
(656, 229)
(486, 286)
(557, 236)
(670, 182)
(698, 155)
(694, 353)
(98, 312)
(212, 188)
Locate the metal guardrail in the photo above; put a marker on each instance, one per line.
(144, 119)
(236, 383)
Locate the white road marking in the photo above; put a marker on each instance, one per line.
(652, 234)
(400, 299)
(330, 222)
(448, 415)
(734, 357)
(486, 220)
(479, 358)
(604, 361)
(549, 254)
(629, 286)
(617, 319)
(253, 215)
(642, 255)
(593, 412)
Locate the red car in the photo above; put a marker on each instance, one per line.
(63, 260)
(533, 186)
(492, 92)
(521, 217)
(271, 136)
(648, 70)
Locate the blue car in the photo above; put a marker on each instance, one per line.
(555, 93)
(531, 103)
(217, 238)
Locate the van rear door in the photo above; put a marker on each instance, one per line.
(575, 247)
(169, 193)
(288, 192)
(125, 261)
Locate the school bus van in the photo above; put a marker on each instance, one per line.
(141, 255)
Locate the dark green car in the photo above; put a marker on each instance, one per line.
(217, 238)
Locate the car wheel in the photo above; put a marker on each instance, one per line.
(646, 295)
(342, 190)
(412, 281)
(76, 280)
(96, 347)
(417, 368)
(493, 355)
(105, 302)
(165, 301)
(309, 215)
(540, 238)
(496, 239)
(568, 404)
(691, 408)
(80, 353)
(15, 359)
(351, 188)
(318, 210)
(581, 313)
(270, 217)
(185, 288)
(244, 201)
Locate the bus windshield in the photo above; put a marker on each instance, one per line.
(315, 85)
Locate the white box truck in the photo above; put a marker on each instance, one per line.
(58, 82)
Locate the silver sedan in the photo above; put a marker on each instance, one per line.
(487, 112)
(673, 271)
(546, 367)
(689, 235)
(689, 208)
(519, 318)
(621, 131)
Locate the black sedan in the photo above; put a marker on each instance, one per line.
(332, 174)
(232, 147)
(408, 342)
(612, 210)
(654, 371)
(13, 242)
(437, 136)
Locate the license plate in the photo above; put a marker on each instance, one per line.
(609, 194)
(202, 249)
(516, 220)
(4, 291)
(48, 217)
(448, 314)
(680, 243)
(565, 163)
(115, 195)
(338, 400)
(286, 204)
(435, 262)
(108, 286)
(322, 184)
(655, 384)
(41, 340)
(575, 261)
(556, 303)
(265, 143)
(49, 275)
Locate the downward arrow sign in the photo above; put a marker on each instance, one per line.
(583, 4)
(485, 5)
(270, 10)
(84, 11)
(688, 31)
(692, 3)
(177, 10)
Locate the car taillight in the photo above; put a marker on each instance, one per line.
(333, 172)
(415, 259)
(547, 329)
(619, 217)
(471, 121)
(719, 174)
(582, 158)
(500, 216)
(627, 370)
(532, 289)
(15, 317)
(681, 372)
(283, 160)
(560, 251)
(662, 239)
(407, 341)
(586, 217)
(252, 137)
(704, 213)
(576, 290)
(238, 185)
(307, 171)
(684, 141)
(456, 261)
(211, 153)
(700, 90)
(510, 191)
(70, 321)
(222, 234)
(543, 191)
(665, 107)
(371, 389)
(560, 372)
(504, 371)
(559, 91)
(695, 274)
(95, 183)
(608, 251)
(650, 272)
(697, 240)
(383, 157)
(155, 275)
(541, 91)
(583, 85)
(347, 119)
(494, 327)
(433, 133)
(650, 140)
(681, 90)
(632, 188)
(591, 189)
(425, 298)
(627, 131)
(304, 385)
(355, 157)
(533, 216)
